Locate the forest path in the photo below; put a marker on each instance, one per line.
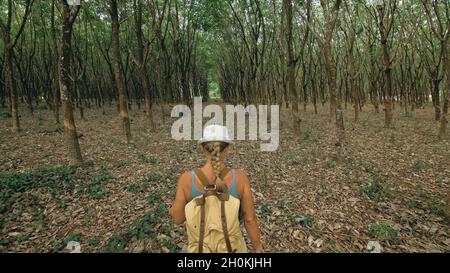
(392, 188)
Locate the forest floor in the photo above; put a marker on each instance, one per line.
(391, 189)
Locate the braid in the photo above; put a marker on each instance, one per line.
(214, 148)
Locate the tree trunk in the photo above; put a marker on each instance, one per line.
(10, 84)
(55, 85)
(123, 104)
(446, 95)
(64, 82)
(330, 66)
(436, 100)
(287, 5)
(387, 67)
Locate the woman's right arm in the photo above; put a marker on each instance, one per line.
(250, 221)
(177, 209)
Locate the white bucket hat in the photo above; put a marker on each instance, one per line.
(215, 132)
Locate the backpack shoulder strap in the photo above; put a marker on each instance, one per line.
(203, 179)
(225, 228)
(224, 173)
(202, 229)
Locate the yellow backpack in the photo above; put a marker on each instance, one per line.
(212, 220)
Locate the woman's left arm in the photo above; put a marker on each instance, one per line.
(177, 209)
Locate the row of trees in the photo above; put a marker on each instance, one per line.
(292, 52)
(139, 51)
(358, 52)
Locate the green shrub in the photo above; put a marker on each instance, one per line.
(56, 180)
(307, 220)
(117, 244)
(330, 165)
(143, 184)
(364, 121)
(306, 134)
(95, 241)
(281, 204)
(298, 161)
(61, 244)
(412, 204)
(95, 187)
(376, 188)
(154, 197)
(5, 242)
(144, 227)
(120, 164)
(418, 166)
(5, 114)
(383, 231)
(265, 208)
(436, 208)
(42, 107)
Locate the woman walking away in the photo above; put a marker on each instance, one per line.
(211, 198)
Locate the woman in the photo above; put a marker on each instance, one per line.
(232, 185)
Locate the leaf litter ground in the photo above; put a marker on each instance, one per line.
(391, 188)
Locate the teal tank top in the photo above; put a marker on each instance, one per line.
(233, 190)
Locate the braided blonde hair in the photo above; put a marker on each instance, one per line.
(214, 148)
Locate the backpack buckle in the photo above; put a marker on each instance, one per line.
(212, 187)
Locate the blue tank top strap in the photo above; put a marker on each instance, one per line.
(194, 190)
(233, 190)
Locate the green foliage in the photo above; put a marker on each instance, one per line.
(61, 244)
(95, 241)
(42, 107)
(383, 231)
(298, 161)
(24, 237)
(392, 139)
(120, 164)
(56, 180)
(5, 114)
(142, 228)
(368, 167)
(418, 166)
(142, 158)
(306, 134)
(153, 177)
(5, 242)
(265, 208)
(143, 184)
(14, 163)
(359, 30)
(412, 204)
(281, 204)
(364, 121)
(96, 186)
(155, 197)
(376, 188)
(306, 220)
(330, 165)
(117, 244)
(436, 207)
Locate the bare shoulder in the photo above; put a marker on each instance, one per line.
(184, 179)
(242, 177)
